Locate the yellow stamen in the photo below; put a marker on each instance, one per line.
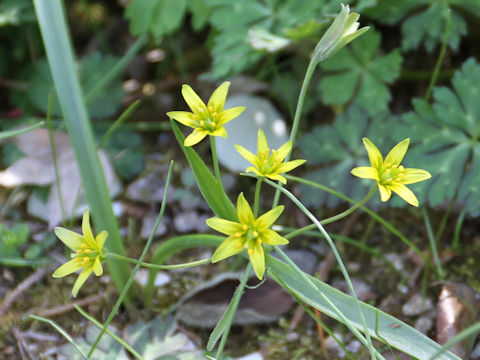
(250, 251)
(195, 117)
(86, 260)
(78, 259)
(210, 108)
(244, 227)
(237, 235)
(79, 251)
(214, 114)
(213, 124)
(239, 244)
(255, 234)
(88, 251)
(202, 123)
(83, 246)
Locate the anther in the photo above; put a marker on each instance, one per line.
(195, 117)
(244, 227)
(88, 251)
(210, 108)
(250, 251)
(255, 234)
(86, 260)
(83, 246)
(237, 235)
(202, 123)
(239, 244)
(214, 114)
(213, 124)
(79, 251)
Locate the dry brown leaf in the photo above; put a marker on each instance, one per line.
(36, 168)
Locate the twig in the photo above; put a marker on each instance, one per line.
(21, 288)
(21, 344)
(62, 309)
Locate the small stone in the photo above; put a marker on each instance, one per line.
(332, 345)
(476, 353)
(162, 278)
(354, 346)
(186, 221)
(252, 356)
(417, 305)
(424, 323)
(291, 337)
(396, 260)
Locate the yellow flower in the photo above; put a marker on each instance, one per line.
(88, 253)
(205, 119)
(268, 164)
(249, 233)
(389, 174)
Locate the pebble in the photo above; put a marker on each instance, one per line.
(475, 353)
(162, 278)
(425, 323)
(252, 356)
(417, 305)
(186, 221)
(354, 346)
(333, 347)
(148, 223)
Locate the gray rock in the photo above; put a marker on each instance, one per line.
(417, 305)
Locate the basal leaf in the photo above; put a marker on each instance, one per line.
(332, 151)
(355, 74)
(424, 21)
(447, 140)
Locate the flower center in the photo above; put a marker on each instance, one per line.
(206, 118)
(268, 163)
(391, 173)
(85, 254)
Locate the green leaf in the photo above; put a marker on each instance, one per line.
(446, 138)
(355, 74)
(158, 17)
(209, 186)
(332, 151)
(426, 20)
(404, 338)
(91, 70)
(125, 150)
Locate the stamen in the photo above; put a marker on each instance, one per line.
(78, 259)
(213, 124)
(79, 251)
(245, 227)
(237, 235)
(83, 246)
(214, 114)
(250, 251)
(255, 234)
(210, 108)
(88, 251)
(239, 244)
(86, 260)
(202, 123)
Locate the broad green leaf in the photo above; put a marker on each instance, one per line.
(332, 151)
(209, 186)
(446, 138)
(92, 68)
(158, 17)
(424, 21)
(404, 338)
(355, 74)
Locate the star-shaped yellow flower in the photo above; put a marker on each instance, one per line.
(389, 174)
(205, 119)
(268, 164)
(249, 233)
(88, 253)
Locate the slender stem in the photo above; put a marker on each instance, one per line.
(235, 301)
(123, 293)
(115, 337)
(216, 168)
(337, 256)
(257, 197)
(378, 218)
(458, 228)
(350, 210)
(159, 267)
(445, 217)
(298, 112)
(433, 245)
(441, 56)
(54, 158)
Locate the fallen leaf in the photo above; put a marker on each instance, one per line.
(37, 168)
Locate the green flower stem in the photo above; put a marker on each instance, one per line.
(233, 309)
(123, 293)
(334, 218)
(298, 112)
(378, 218)
(216, 168)
(257, 197)
(159, 267)
(433, 245)
(337, 256)
(458, 229)
(115, 337)
(441, 56)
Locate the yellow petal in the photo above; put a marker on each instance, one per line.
(271, 237)
(267, 219)
(217, 100)
(195, 137)
(277, 177)
(283, 151)
(183, 117)
(365, 172)
(414, 175)
(227, 115)
(100, 239)
(374, 154)
(262, 144)
(229, 247)
(255, 170)
(405, 193)
(68, 268)
(81, 280)
(73, 240)
(87, 230)
(396, 155)
(257, 258)
(193, 100)
(289, 165)
(385, 192)
(219, 132)
(244, 211)
(97, 267)
(247, 155)
(224, 226)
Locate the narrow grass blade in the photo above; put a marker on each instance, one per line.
(10, 133)
(211, 190)
(61, 332)
(51, 19)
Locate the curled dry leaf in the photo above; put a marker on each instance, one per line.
(36, 168)
(457, 308)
